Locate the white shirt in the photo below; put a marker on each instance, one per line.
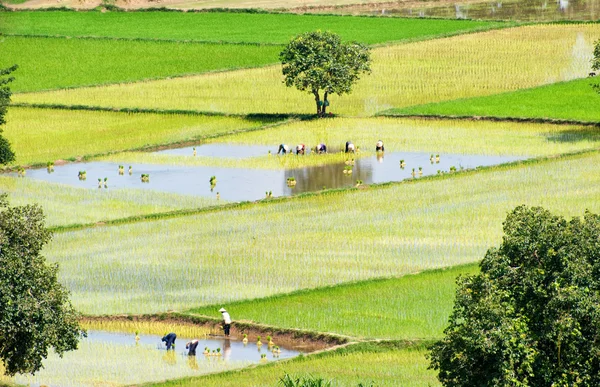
(226, 318)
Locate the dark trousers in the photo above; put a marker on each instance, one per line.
(226, 328)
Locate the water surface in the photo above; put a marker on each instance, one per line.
(242, 184)
(108, 359)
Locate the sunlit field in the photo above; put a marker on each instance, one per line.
(228, 27)
(65, 205)
(403, 75)
(409, 307)
(53, 63)
(386, 364)
(247, 252)
(575, 100)
(398, 135)
(42, 135)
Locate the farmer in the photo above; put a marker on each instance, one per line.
(349, 147)
(226, 321)
(283, 149)
(321, 148)
(169, 340)
(191, 347)
(300, 149)
(379, 146)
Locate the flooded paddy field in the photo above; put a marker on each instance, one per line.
(246, 184)
(109, 359)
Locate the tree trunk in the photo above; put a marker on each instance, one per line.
(317, 101)
(325, 103)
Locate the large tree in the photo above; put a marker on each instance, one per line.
(320, 62)
(35, 311)
(532, 315)
(6, 153)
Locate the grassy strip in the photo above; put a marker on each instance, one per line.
(42, 135)
(566, 101)
(411, 74)
(52, 63)
(384, 364)
(226, 27)
(409, 307)
(246, 251)
(65, 205)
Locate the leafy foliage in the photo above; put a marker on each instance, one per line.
(532, 316)
(6, 153)
(35, 312)
(305, 381)
(316, 61)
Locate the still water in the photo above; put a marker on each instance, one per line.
(108, 359)
(246, 184)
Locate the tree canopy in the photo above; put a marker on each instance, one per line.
(6, 153)
(531, 317)
(35, 311)
(319, 61)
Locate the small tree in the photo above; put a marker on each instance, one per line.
(532, 315)
(35, 312)
(319, 61)
(6, 153)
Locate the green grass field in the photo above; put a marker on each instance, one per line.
(66, 205)
(575, 100)
(386, 364)
(246, 252)
(404, 75)
(52, 63)
(42, 135)
(409, 307)
(228, 27)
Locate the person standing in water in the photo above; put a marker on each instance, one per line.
(169, 340)
(226, 321)
(191, 347)
(283, 149)
(379, 146)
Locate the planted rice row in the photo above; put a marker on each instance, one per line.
(263, 249)
(411, 74)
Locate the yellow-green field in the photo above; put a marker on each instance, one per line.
(42, 135)
(403, 75)
(65, 205)
(272, 247)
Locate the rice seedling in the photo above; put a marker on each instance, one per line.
(233, 250)
(120, 362)
(141, 327)
(410, 74)
(97, 61)
(66, 205)
(409, 307)
(385, 364)
(226, 27)
(573, 100)
(63, 134)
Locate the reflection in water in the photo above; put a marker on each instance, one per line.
(169, 357)
(240, 184)
(531, 10)
(111, 359)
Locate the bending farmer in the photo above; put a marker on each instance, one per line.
(226, 321)
(169, 340)
(283, 149)
(191, 347)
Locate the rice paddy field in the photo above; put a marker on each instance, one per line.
(262, 28)
(571, 101)
(42, 135)
(370, 262)
(245, 252)
(403, 75)
(54, 63)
